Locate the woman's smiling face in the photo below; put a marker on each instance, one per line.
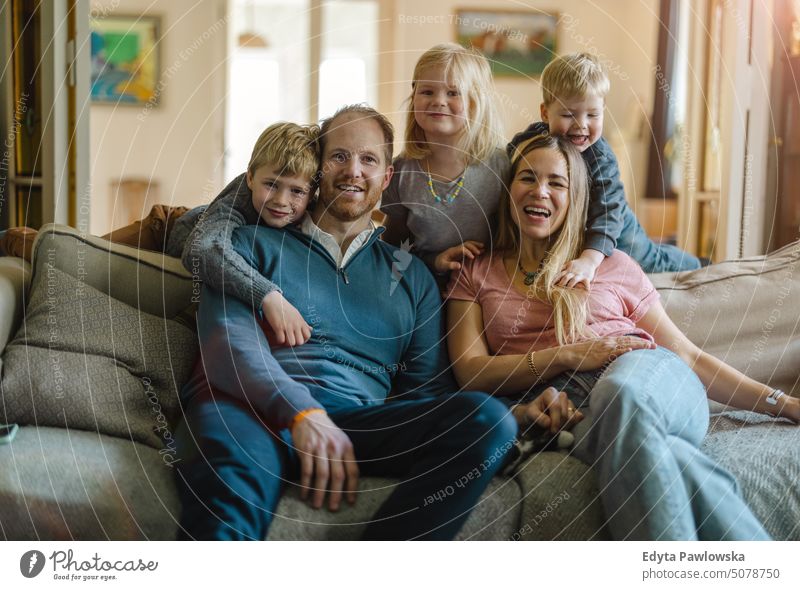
(540, 193)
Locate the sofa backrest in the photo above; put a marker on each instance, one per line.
(149, 281)
(746, 312)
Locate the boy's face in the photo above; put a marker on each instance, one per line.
(279, 199)
(579, 119)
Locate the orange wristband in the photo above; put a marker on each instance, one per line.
(302, 415)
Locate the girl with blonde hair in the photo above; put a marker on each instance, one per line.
(448, 180)
(607, 363)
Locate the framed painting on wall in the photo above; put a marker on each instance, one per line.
(516, 43)
(125, 60)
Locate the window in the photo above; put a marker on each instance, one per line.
(271, 69)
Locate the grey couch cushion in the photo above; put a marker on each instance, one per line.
(559, 500)
(84, 360)
(58, 484)
(107, 341)
(764, 455)
(495, 517)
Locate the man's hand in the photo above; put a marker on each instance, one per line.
(580, 271)
(326, 455)
(551, 410)
(284, 319)
(451, 258)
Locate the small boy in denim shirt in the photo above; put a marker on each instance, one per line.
(574, 88)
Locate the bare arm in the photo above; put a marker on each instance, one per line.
(723, 383)
(510, 374)
(475, 368)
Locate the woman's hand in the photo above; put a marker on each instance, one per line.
(590, 355)
(451, 258)
(551, 410)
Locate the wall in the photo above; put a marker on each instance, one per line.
(179, 142)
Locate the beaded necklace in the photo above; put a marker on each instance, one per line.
(529, 276)
(449, 197)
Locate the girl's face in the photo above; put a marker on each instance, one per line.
(438, 105)
(540, 193)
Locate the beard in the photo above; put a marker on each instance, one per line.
(344, 208)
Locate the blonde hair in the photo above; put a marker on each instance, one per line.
(570, 310)
(470, 73)
(574, 75)
(288, 147)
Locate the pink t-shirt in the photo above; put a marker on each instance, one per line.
(619, 296)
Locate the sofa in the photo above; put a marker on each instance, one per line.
(97, 339)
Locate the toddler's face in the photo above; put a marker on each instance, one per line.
(279, 199)
(579, 119)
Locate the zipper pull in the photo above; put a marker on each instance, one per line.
(344, 276)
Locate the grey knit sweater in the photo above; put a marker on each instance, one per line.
(202, 239)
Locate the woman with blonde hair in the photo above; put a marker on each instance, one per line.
(633, 388)
(448, 180)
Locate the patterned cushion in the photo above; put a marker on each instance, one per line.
(83, 359)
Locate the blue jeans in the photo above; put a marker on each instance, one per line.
(232, 471)
(652, 257)
(645, 420)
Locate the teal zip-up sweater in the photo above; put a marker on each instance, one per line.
(377, 329)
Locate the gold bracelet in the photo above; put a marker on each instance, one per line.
(532, 367)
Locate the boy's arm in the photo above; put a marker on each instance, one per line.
(606, 199)
(425, 367)
(209, 250)
(532, 130)
(238, 359)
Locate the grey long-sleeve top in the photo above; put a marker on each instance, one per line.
(202, 239)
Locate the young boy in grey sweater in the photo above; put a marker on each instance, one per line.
(275, 192)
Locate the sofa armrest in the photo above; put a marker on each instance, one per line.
(15, 278)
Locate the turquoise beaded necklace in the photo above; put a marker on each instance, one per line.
(449, 197)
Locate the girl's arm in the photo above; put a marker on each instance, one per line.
(208, 250)
(723, 383)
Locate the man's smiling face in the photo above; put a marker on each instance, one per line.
(354, 170)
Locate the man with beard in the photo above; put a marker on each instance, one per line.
(257, 418)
